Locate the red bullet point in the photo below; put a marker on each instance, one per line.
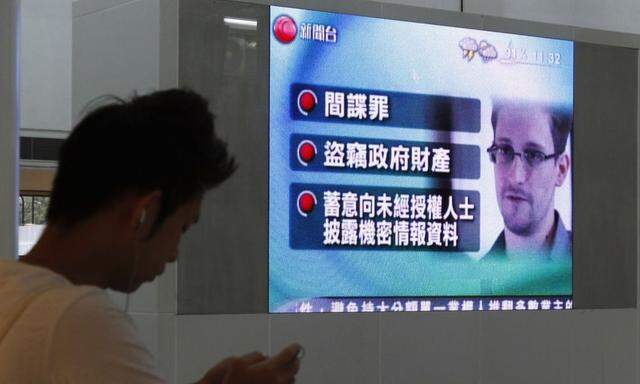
(306, 151)
(306, 202)
(307, 101)
(285, 29)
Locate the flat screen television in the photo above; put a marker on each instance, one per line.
(417, 167)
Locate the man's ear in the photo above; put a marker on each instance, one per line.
(563, 165)
(145, 214)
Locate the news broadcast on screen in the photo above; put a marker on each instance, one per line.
(417, 167)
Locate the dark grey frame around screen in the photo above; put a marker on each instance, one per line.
(224, 262)
(605, 164)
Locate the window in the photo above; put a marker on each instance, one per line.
(32, 209)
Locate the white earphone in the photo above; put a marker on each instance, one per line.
(143, 217)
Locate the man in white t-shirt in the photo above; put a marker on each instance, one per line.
(130, 181)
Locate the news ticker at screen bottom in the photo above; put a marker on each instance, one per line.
(427, 304)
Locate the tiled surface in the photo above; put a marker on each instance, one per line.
(429, 348)
(158, 296)
(168, 43)
(449, 5)
(545, 29)
(507, 347)
(586, 337)
(45, 65)
(525, 347)
(620, 345)
(430, 15)
(118, 298)
(609, 38)
(204, 340)
(157, 331)
(115, 52)
(562, 347)
(365, 8)
(611, 15)
(557, 11)
(614, 15)
(84, 7)
(339, 348)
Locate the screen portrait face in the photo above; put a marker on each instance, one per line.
(525, 187)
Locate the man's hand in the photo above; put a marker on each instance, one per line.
(255, 368)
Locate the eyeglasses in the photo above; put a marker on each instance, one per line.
(504, 155)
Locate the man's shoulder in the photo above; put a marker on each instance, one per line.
(22, 281)
(497, 250)
(35, 303)
(561, 248)
(29, 275)
(37, 298)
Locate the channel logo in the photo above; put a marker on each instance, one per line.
(285, 29)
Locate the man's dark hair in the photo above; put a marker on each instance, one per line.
(161, 141)
(561, 119)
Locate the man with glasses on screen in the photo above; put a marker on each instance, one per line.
(530, 162)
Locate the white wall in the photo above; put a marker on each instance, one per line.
(563, 347)
(45, 67)
(115, 50)
(612, 15)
